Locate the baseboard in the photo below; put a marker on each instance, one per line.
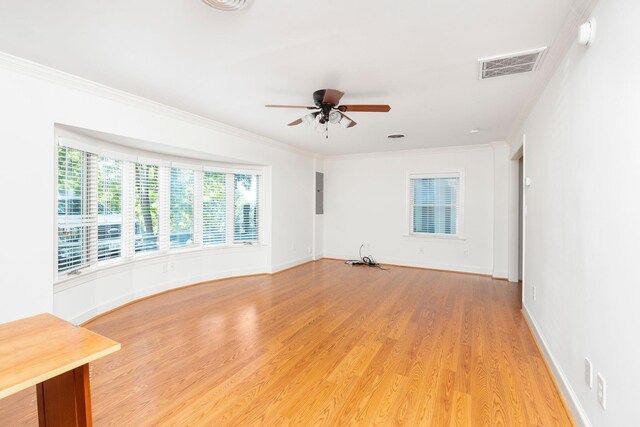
(290, 264)
(570, 398)
(425, 265)
(502, 275)
(124, 300)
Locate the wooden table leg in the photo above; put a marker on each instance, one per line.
(65, 400)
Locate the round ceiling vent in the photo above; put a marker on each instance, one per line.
(228, 5)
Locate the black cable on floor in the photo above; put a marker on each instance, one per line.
(366, 260)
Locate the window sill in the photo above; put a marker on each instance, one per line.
(435, 236)
(113, 266)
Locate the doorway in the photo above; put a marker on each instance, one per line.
(520, 227)
(517, 217)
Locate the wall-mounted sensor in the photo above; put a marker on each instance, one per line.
(587, 32)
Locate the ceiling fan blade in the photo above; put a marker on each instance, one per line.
(332, 97)
(295, 122)
(352, 122)
(365, 108)
(291, 106)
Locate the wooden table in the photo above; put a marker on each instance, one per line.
(53, 355)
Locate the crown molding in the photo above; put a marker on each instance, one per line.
(498, 144)
(578, 14)
(52, 75)
(418, 151)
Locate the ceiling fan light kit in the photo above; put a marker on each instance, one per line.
(329, 111)
(335, 117)
(228, 5)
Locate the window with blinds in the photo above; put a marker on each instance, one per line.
(76, 208)
(181, 207)
(214, 208)
(246, 208)
(114, 206)
(434, 204)
(109, 208)
(147, 210)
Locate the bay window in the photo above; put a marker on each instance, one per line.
(117, 207)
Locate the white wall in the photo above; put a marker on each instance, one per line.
(583, 224)
(500, 210)
(33, 100)
(366, 201)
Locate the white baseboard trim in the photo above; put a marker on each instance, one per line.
(430, 266)
(290, 264)
(500, 275)
(136, 295)
(578, 412)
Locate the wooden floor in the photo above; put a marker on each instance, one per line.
(321, 344)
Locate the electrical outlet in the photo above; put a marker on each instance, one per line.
(466, 252)
(172, 266)
(588, 372)
(293, 246)
(421, 250)
(164, 267)
(602, 391)
(534, 292)
(309, 249)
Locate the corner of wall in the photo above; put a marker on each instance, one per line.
(500, 209)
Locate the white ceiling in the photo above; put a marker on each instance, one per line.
(418, 56)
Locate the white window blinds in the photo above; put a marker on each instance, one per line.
(77, 206)
(246, 210)
(181, 207)
(434, 204)
(214, 208)
(117, 207)
(109, 208)
(147, 208)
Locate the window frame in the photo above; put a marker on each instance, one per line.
(459, 174)
(164, 162)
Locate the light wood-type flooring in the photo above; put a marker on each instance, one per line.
(321, 344)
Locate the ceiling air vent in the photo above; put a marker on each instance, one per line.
(228, 5)
(513, 63)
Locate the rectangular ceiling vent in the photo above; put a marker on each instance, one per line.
(513, 63)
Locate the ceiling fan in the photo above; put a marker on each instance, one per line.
(328, 111)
